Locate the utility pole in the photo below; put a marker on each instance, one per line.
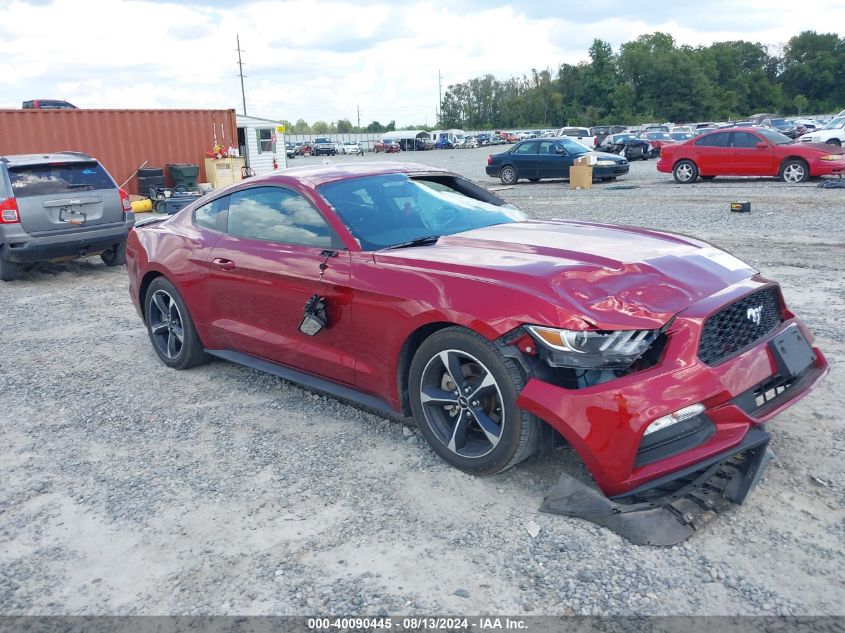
(241, 71)
(439, 94)
(357, 107)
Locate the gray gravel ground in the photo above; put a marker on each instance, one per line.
(129, 488)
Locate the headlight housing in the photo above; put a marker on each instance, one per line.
(833, 157)
(592, 349)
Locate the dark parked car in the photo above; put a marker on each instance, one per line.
(47, 104)
(601, 131)
(657, 357)
(750, 152)
(784, 126)
(324, 147)
(656, 140)
(290, 150)
(628, 145)
(55, 206)
(535, 159)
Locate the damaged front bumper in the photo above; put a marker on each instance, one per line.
(669, 510)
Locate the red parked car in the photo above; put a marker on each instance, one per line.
(749, 152)
(386, 146)
(657, 140)
(414, 292)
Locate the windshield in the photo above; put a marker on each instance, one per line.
(58, 178)
(382, 211)
(836, 123)
(658, 136)
(573, 147)
(773, 137)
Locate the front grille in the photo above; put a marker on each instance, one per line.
(736, 327)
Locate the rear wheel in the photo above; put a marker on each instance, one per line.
(834, 141)
(116, 256)
(171, 328)
(8, 270)
(685, 172)
(463, 394)
(794, 171)
(509, 175)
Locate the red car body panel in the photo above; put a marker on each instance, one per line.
(574, 275)
(389, 147)
(746, 161)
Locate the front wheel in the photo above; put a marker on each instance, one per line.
(463, 394)
(834, 141)
(170, 326)
(685, 172)
(508, 175)
(794, 171)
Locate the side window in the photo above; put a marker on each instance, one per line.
(526, 148)
(745, 140)
(277, 215)
(714, 140)
(548, 147)
(266, 140)
(213, 215)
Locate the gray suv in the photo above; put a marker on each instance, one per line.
(57, 206)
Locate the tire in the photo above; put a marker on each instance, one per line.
(116, 256)
(834, 141)
(685, 172)
(509, 175)
(480, 436)
(165, 314)
(794, 171)
(8, 270)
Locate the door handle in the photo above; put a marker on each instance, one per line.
(223, 264)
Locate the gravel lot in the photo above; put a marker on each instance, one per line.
(129, 488)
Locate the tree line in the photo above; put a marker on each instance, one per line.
(341, 126)
(654, 79)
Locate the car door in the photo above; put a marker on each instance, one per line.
(263, 271)
(749, 159)
(524, 157)
(713, 154)
(553, 161)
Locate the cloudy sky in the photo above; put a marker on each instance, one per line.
(321, 60)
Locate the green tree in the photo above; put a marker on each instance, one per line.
(344, 126)
(320, 127)
(375, 126)
(300, 127)
(814, 66)
(800, 102)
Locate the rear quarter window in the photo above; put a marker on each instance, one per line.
(54, 179)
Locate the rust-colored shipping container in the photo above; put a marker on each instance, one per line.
(120, 139)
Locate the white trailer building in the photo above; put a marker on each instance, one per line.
(262, 143)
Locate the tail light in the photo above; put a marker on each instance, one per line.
(595, 141)
(490, 160)
(9, 211)
(125, 201)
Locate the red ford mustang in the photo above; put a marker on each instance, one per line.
(749, 152)
(414, 292)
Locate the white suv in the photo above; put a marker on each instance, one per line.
(833, 133)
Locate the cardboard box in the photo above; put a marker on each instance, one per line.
(581, 176)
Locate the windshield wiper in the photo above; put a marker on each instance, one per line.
(428, 240)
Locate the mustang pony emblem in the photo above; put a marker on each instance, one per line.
(755, 315)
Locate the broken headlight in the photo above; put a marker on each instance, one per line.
(586, 349)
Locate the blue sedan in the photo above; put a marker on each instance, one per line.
(535, 159)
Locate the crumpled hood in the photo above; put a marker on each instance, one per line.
(605, 275)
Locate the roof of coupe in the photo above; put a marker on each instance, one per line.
(316, 175)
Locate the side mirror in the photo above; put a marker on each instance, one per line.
(762, 145)
(561, 151)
